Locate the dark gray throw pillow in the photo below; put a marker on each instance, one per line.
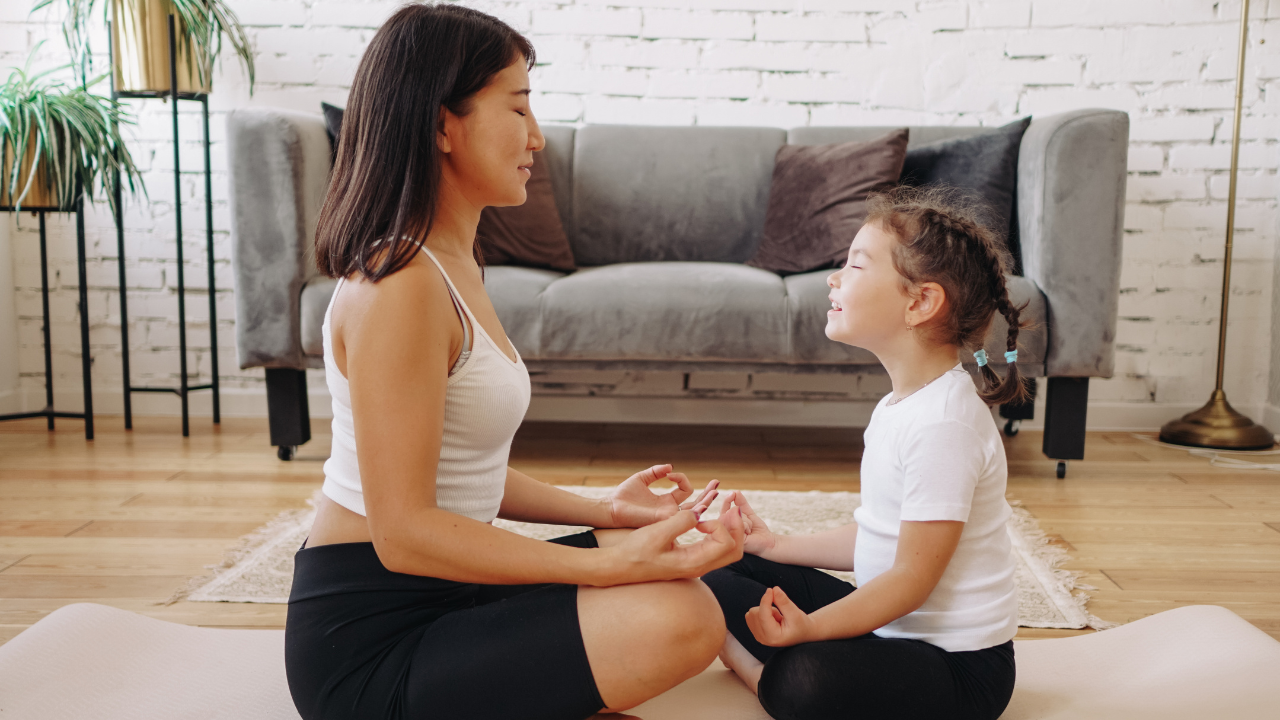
(818, 200)
(985, 166)
(530, 234)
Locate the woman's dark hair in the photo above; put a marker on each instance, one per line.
(941, 240)
(383, 191)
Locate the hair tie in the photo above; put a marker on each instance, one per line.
(981, 357)
(1011, 356)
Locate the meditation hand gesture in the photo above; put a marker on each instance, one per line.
(781, 626)
(759, 539)
(653, 553)
(632, 504)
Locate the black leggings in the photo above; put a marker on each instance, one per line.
(364, 642)
(866, 677)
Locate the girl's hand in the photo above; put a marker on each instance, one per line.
(759, 538)
(651, 553)
(781, 626)
(632, 504)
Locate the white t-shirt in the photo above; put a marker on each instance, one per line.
(937, 455)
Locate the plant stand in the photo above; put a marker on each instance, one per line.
(184, 387)
(49, 412)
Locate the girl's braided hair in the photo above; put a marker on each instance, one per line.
(941, 240)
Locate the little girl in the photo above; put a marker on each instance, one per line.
(928, 633)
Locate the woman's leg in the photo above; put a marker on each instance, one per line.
(641, 639)
(646, 638)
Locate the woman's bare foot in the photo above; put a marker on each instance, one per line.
(740, 661)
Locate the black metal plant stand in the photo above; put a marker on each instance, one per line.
(184, 387)
(49, 413)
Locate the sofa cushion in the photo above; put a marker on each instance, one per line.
(517, 296)
(529, 234)
(643, 193)
(666, 311)
(818, 200)
(986, 166)
(807, 307)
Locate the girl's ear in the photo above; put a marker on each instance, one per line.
(927, 304)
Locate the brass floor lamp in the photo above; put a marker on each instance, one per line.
(1217, 424)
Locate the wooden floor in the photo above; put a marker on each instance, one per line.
(125, 519)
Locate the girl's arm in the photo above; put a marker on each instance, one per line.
(829, 549)
(396, 338)
(924, 549)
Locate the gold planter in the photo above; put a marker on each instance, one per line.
(41, 195)
(140, 42)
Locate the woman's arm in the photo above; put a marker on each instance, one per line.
(397, 337)
(631, 504)
(528, 500)
(924, 549)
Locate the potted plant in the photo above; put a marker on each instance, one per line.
(53, 135)
(140, 36)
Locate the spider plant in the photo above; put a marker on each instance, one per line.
(53, 135)
(201, 23)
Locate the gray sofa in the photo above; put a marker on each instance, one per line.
(661, 220)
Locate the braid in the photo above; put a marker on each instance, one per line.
(1011, 388)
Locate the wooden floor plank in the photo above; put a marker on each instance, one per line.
(126, 519)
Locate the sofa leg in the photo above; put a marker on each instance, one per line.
(287, 410)
(1066, 406)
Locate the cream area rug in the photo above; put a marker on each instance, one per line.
(260, 568)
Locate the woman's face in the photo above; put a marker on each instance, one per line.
(869, 304)
(488, 152)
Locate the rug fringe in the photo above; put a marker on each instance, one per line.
(1067, 581)
(243, 547)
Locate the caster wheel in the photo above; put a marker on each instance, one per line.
(285, 452)
(1062, 469)
(1011, 427)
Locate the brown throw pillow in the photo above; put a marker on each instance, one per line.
(818, 198)
(530, 234)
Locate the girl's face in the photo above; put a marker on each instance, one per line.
(489, 152)
(869, 303)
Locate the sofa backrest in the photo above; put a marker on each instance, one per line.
(639, 193)
(645, 193)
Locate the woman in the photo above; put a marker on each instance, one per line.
(406, 601)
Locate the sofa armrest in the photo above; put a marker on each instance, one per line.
(1071, 188)
(279, 164)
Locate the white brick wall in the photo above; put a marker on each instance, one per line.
(1169, 63)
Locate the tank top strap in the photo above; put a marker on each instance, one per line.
(461, 309)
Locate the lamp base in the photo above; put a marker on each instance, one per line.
(1217, 425)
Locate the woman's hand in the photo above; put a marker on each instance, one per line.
(632, 504)
(758, 538)
(651, 553)
(781, 626)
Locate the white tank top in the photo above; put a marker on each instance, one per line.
(485, 401)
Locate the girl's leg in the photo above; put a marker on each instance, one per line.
(878, 678)
(738, 588)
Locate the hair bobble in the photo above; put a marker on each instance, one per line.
(981, 357)
(1011, 356)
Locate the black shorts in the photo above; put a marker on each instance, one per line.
(866, 677)
(364, 642)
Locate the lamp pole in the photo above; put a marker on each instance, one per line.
(1217, 424)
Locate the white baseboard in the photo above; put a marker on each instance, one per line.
(1271, 417)
(252, 402)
